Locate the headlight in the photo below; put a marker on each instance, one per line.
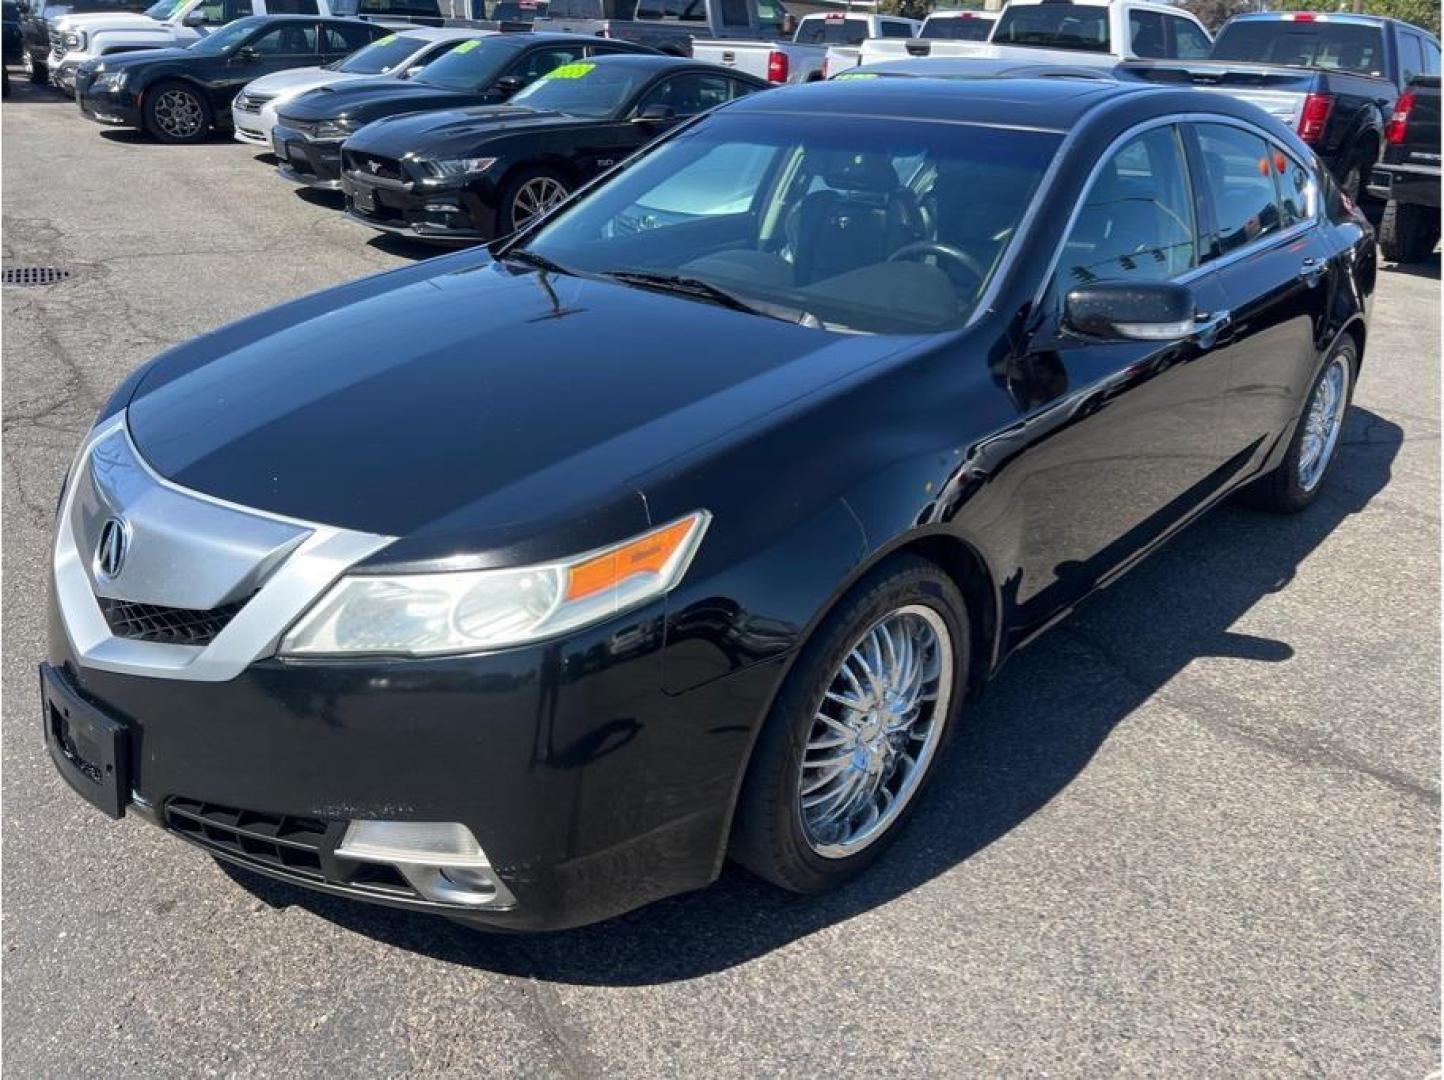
(334, 129)
(72, 40)
(110, 81)
(470, 611)
(460, 166)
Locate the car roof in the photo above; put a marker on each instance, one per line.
(443, 33)
(1040, 103)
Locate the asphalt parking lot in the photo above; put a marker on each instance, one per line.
(1192, 831)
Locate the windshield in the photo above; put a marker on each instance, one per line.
(583, 89)
(381, 56)
(831, 30)
(227, 37)
(472, 65)
(958, 28)
(1351, 47)
(868, 225)
(1054, 26)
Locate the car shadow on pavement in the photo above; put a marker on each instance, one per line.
(1427, 267)
(1038, 726)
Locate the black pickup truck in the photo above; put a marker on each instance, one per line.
(1332, 78)
(1406, 177)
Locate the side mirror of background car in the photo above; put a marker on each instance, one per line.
(194, 18)
(1132, 310)
(510, 84)
(413, 70)
(657, 112)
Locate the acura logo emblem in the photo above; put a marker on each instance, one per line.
(110, 552)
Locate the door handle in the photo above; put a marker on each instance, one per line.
(1210, 323)
(1311, 270)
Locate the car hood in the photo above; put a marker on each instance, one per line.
(426, 132)
(461, 402)
(295, 81)
(140, 58)
(370, 98)
(110, 20)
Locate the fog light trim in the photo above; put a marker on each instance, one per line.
(441, 860)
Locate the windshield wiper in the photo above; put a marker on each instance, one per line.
(683, 285)
(538, 260)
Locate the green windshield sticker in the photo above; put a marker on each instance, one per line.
(387, 40)
(569, 71)
(855, 75)
(467, 45)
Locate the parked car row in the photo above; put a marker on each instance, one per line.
(527, 584)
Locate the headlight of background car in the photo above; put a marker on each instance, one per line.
(335, 129)
(469, 611)
(461, 166)
(109, 81)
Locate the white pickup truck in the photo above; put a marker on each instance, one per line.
(1090, 33)
(169, 24)
(959, 25)
(801, 59)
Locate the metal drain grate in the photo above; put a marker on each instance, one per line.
(32, 276)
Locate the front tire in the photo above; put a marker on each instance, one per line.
(855, 732)
(1299, 478)
(528, 195)
(176, 113)
(1408, 232)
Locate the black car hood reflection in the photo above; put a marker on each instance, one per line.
(142, 57)
(464, 394)
(364, 99)
(425, 134)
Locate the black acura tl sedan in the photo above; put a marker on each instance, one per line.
(180, 95)
(486, 70)
(526, 585)
(477, 174)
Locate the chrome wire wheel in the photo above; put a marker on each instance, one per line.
(536, 196)
(1323, 422)
(178, 114)
(875, 731)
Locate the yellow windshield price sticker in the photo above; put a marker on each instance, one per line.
(468, 45)
(569, 71)
(387, 40)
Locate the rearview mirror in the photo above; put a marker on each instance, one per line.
(510, 84)
(1132, 310)
(657, 112)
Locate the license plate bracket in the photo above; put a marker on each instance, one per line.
(88, 747)
(363, 198)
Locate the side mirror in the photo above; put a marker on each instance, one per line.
(413, 70)
(194, 18)
(510, 84)
(246, 53)
(1132, 311)
(654, 113)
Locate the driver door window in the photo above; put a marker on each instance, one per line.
(1136, 222)
(220, 12)
(288, 39)
(689, 94)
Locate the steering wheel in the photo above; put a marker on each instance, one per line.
(946, 251)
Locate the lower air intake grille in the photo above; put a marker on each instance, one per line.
(166, 625)
(292, 844)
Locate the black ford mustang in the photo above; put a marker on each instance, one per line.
(476, 174)
(179, 95)
(523, 585)
(487, 70)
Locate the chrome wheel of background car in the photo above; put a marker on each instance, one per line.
(536, 196)
(1323, 421)
(178, 114)
(875, 731)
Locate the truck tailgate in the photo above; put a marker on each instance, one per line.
(1278, 91)
(748, 56)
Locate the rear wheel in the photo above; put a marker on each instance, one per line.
(176, 113)
(1408, 232)
(1315, 445)
(856, 729)
(528, 195)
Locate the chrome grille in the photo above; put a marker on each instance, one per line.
(251, 102)
(370, 165)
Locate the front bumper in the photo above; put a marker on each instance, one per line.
(1414, 184)
(304, 161)
(118, 109)
(455, 215)
(62, 74)
(251, 127)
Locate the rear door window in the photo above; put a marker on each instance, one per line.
(1411, 57)
(1238, 183)
(345, 39)
(1295, 187)
(1145, 34)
